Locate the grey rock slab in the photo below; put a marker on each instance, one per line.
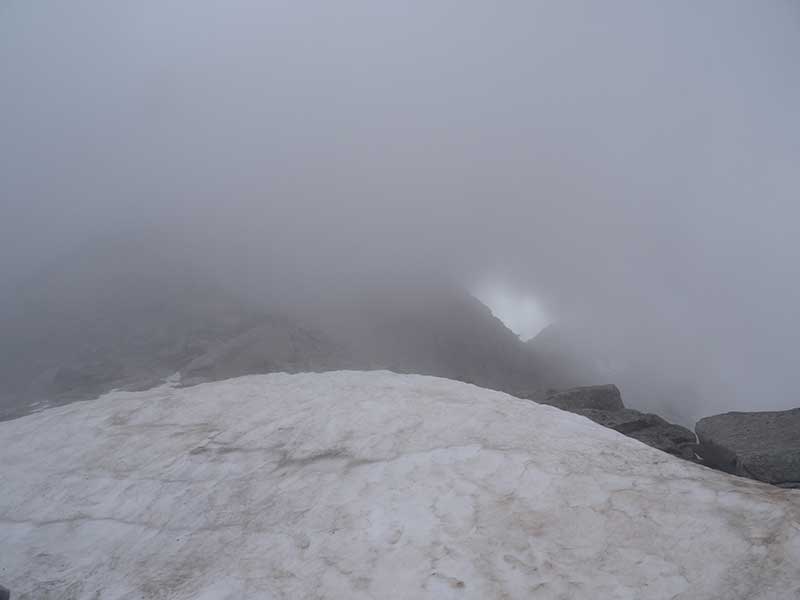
(759, 445)
(599, 397)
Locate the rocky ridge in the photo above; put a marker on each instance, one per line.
(603, 405)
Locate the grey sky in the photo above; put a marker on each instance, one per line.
(633, 165)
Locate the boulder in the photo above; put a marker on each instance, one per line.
(597, 397)
(625, 420)
(648, 428)
(759, 445)
(669, 437)
(603, 405)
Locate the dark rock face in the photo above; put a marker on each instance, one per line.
(625, 420)
(649, 429)
(673, 439)
(594, 397)
(428, 329)
(759, 445)
(568, 355)
(603, 405)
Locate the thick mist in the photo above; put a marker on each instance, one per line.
(632, 166)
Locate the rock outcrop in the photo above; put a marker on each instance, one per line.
(591, 397)
(427, 328)
(569, 355)
(759, 445)
(603, 405)
(647, 428)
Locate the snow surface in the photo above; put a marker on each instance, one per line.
(370, 485)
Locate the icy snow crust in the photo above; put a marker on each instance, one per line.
(370, 485)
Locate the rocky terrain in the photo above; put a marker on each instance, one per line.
(371, 485)
(603, 405)
(760, 445)
(569, 355)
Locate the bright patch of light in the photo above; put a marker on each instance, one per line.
(520, 313)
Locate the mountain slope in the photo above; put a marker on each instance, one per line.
(371, 485)
(429, 329)
(130, 312)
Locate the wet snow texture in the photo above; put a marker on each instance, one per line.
(371, 485)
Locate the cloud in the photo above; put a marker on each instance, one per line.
(632, 166)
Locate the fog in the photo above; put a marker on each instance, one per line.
(629, 167)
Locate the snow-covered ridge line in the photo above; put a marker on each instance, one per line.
(371, 485)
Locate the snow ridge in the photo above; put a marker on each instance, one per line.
(371, 485)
